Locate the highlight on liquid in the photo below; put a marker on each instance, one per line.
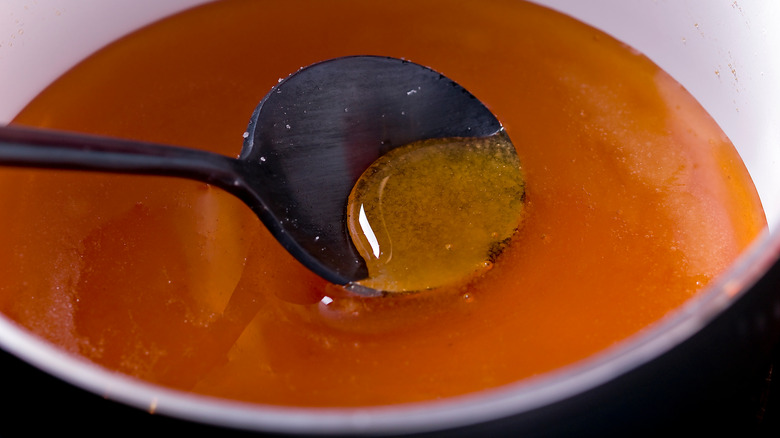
(436, 212)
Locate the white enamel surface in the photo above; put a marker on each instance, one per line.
(724, 52)
(40, 40)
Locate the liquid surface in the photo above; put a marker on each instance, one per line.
(635, 201)
(437, 212)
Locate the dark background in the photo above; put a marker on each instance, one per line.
(35, 403)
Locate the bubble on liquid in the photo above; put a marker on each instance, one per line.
(339, 308)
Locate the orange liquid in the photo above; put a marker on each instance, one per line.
(635, 201)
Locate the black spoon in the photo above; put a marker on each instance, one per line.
(308, 141)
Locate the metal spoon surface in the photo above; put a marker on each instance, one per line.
(307, 143)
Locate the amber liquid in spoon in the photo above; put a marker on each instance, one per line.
(436, 212)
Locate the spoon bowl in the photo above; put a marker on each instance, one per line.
(307, 143)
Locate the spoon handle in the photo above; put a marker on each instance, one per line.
(43, 148)
(49, 149)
